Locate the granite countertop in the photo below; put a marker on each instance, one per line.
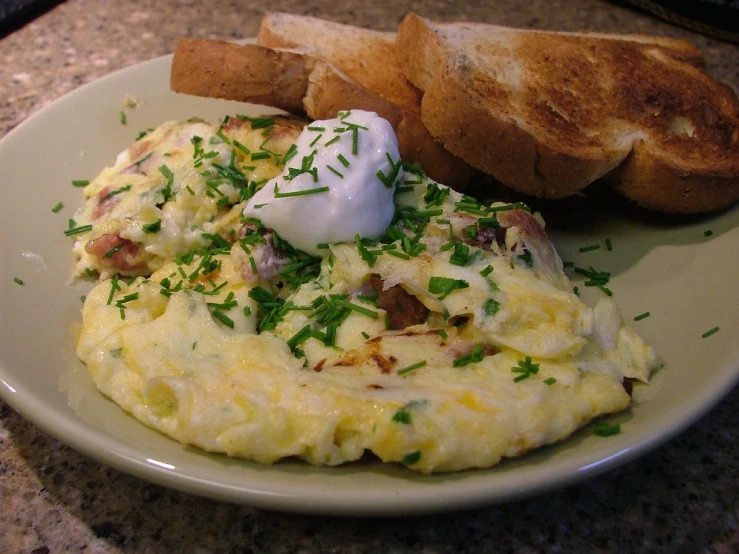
(682, 497)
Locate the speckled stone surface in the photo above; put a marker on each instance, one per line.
(683, 497)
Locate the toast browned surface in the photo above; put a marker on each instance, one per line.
(548, 113)
(249, 73)
(361, 70)
(365, 56)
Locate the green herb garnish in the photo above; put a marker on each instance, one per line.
(411, 367)
(476, 354)
(526, 368)
(443, 286)
(603, 429)
(412, 458)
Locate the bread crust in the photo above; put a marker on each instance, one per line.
(656, 184)
(565, 109)
(248, 73)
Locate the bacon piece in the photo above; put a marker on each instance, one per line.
(486, 236)
(536, 242)
(268, 259)
(533, 234)
(403, 308)
(124, 258)
(105, 203)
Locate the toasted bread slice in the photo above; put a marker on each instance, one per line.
(366, 56)
(249, 73)
(547, 113)
(361, 70)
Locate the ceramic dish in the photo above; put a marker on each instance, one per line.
(669, 267)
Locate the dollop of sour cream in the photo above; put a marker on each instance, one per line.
(338, 182)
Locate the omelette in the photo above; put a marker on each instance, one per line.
(449, 339)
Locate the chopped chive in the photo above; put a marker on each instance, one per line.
(707, 233)
(605, 289)
(289, 154)
(333, 140)
(143, 133)
(301, 192)
(261, 122)
(80, 183)
(241, 147)
(113, 193)
(604, 429)
(356, 308)
(568, 264)
(315, 140)
(710, 332)
(18, 281)
(315, 128)
(113, 288)
(397, 254)
(403, 417)
(58, 207)
(334, 171)
(152, 227)
(365, 335)
(525, 368)
(223, 318)
(487, 271)
(412, 458)
(443, 286)
(491, 307)
(300, 337)
(110, 253)
(260, 156)
(609, 244)
(476, 354)
(589, 248)
(343, 160)
(641, 316)
(411, 367)
(550, 381)
(494, 209)
(425, 213)
(126, 299)
(442, 334)
(122, 117)
(216, 239)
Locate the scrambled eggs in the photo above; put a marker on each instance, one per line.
(452, 341)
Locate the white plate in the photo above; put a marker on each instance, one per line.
(668, 267)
